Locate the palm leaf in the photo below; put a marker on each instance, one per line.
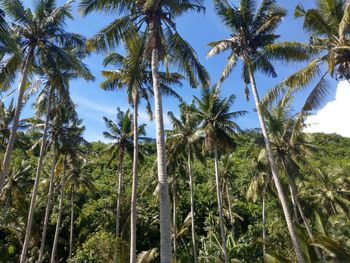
(147, 256)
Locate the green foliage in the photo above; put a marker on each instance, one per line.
(317, 164)
(100, 248)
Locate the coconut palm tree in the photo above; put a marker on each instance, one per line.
(121, 132)
(327, 25)
(40, 35)
(6, 118)
(56, 79)
(8, 43)
(182, 141)
(15, 188)
(71, 149)
(176, 166)
(217, 127)
(253, 41)
(227, 177)
(134, 75)
(291, 147)
(59, 117)
(76, 179)
(162, 43)
(259, 185)
(330, 191)
(328, 242)
(48, 201)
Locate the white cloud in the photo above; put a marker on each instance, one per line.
(89, 104)
(334, 116)
(97, 110)
(105, 109)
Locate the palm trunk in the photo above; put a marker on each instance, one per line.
(59, 218)
(133, 213)
(294, 194)
(36, 184)
(192, 205)
(219, 200)
(48, 205)
(266, 183)
(295, 209)
(174, 217)
(71, 222)
(11, 140)
(119, 191)
(165, 233)
(230, 212)
(264, 224)
(274, 170)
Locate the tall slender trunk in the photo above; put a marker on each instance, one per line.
(294, 205)
(119, 191)
(48, 205)
(71, 222)
(165, 233)
(19, 105)
(36, 184)
(264, 224)
(274, 170)
(133, 212)
(174, 217)
(266, 183)
(219, 200)
(230, 213)
(194, 245)
(60, 210)
(294, 193)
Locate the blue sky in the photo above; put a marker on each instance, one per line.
(198, 29)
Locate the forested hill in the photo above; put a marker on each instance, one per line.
(323, 189)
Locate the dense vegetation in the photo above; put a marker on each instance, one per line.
(204, 191)
(94, 209)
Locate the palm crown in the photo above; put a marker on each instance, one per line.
(217, 124)
(134, 74)
(40, 33)
(155, 19)
(253, 38)
(328, 25)
(121, 132)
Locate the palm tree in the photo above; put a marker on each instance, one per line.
(40, 36)
(327, 25)
(258, 186)
(290, 146)
(75, 180)
(56, 78)
(176, 165)
(71, 150)
(227, 176)
(8, 43)
(14, 189)
(58, 117)
(328, 242)
(181, 140)
(6, 119)
(253, 41)
(330, 191)
(121, 132)
(48, 202)
(63, 163)
(162, 43)
(217, 128)
(134, 74)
